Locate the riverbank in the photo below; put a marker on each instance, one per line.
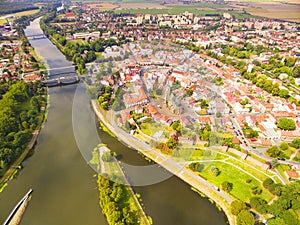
(17, 165)
(220, 198)
(112, 169)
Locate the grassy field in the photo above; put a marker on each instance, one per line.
(241, 189)
(152, 128)
(18, 14)
(198, 9)
(271, 9)
(204, 154)
(173, 10)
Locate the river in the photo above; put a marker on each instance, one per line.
(65, 188)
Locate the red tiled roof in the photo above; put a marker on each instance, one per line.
(291, 174)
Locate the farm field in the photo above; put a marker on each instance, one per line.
(103, 5)
(18, 14)
(286, 11)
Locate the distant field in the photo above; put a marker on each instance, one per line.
(158, 5)
(103, 5)
(182, 9)
(287, 1)
(290, 12)
(144, 5)
(18, 14)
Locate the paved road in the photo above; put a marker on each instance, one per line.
(256, 151)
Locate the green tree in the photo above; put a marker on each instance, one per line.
(245, 218)
(295, 143)
(286, 124)
(259, 204)
(274, 151)
(177, 126)
(283, 93)
(196, 166)
(284, 146)
(227, 186)
(215, 171)
(237, 206)
(172, 143)
(189, 92)
(107, 157)
(205, 132)
(276, 221)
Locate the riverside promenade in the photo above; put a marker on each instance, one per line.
(219, 197)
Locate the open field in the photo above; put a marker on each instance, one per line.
(11, 17)
(104, 5)
(241, 189)
(276, 10)
(145, 5)
(287, 1)
(178, 10)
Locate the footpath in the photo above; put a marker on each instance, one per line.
(197, 182)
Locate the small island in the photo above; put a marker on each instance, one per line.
(118, 202)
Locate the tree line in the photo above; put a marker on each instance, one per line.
(20, 115)
(113, 202)
(284, 209)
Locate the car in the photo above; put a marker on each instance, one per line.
(282, 159)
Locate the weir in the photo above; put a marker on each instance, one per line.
(36, 36)
(61, 81)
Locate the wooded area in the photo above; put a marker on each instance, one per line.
(20, 115)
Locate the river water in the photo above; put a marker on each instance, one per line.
(65, 188)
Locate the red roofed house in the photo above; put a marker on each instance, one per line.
(70, 16)
(291, 175)
(32, 77)
(204, 120)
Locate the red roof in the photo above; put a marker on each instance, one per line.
(70, 15)
(291, 174)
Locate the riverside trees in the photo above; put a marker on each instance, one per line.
(20, 114)
(113, 203)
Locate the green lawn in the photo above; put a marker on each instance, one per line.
(281, 168)
(204, 155)
(152, 128)
(241, 189)
(258, 173)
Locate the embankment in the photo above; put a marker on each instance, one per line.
(187, 176)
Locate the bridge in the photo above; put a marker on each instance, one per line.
(60, 81)
(54, 69)
(36, 36)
